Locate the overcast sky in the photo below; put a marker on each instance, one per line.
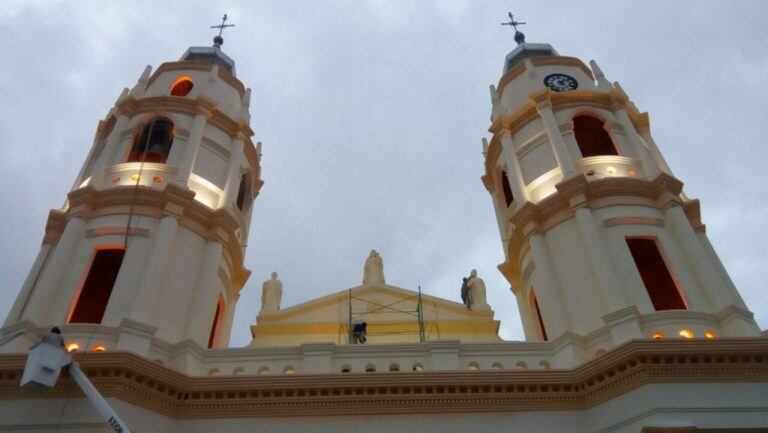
(371, 114)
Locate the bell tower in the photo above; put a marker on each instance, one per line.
(601, 244)
(152, 234)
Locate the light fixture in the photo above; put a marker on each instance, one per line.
(709, 334)
(99, 348)
(685, 333)
(72, 347)
(657, 335)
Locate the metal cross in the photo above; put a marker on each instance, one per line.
(223, 25)
(511, 22)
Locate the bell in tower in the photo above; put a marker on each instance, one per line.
(151, 240)
(599, 238)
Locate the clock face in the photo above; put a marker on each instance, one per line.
(560, 82)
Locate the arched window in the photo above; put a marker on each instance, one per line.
(592, 138)
(537, 315)
(394, 367)
(508, 197)
(154, 142)
(182, 86)
(214, 336)
(656, 277)
(244, 194)
(94, 296)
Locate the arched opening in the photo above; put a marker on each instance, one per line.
(238, 371)
(289, 370)
(592, 138)
(94, 296)
(656, 277)
(497, 366)
(545, 365)
(154, 142)
(214, 372)
(370, 368)
(182, 86)
(521, 365)
(473, 366)
(540, 329)
(508, 197)
(346, 368)
(394, 367)
(263, 370)
(418, 367)
(244, 194)
(214, 336)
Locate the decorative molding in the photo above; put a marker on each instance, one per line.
(220, 224)
(579, 191)
(216, 148)
(116, 230)
(633, 220)
(137, 380)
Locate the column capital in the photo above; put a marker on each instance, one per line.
(542, 100)
(566, 128)
(205, 106)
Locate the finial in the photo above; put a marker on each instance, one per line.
(218, 40)
(519, 36)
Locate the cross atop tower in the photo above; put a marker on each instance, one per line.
(519, 36)
(218, 40)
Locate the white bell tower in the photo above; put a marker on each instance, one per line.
(152, 235)
(601, 244)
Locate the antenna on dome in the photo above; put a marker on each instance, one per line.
(218, 40)
(519, 36)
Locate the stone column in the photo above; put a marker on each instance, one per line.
(650, 168)
(524, 307)
(157, 264)
(702, 268)
(233, 176)
(193, 146)
(48, 297)
(203, 297)
(226, 323)
(107, 156)
(514, 173)
(549, 296)
(564, 160)
(610, 287)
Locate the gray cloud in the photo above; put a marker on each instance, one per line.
(371, 115)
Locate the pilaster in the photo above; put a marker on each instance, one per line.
(193, 144)
(514, 173)
(543, 103)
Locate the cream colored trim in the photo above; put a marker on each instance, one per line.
(139, 381)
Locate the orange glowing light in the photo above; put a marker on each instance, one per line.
(99, 348)
(685, 333)
(157, 179)
(182, 86)
(632, 172)
(709, 334)
(657, 335)
(135, 177)
(73, 347)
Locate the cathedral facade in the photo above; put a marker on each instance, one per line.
(631, 321)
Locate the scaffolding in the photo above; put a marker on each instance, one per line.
(356, 316)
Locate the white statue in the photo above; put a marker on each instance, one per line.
(476, 287)
(373, 273)
(271, 293)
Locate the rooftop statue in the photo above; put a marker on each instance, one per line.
(373, 272)
(271, 293)
(476, 292)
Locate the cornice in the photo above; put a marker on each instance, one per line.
(201, 105)
(218, 225)
(571, 194)
(179, 66)
(149, 385)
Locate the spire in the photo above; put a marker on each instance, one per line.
(218, 40)
(519, 36)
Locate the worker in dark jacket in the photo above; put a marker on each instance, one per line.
(359, 332)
